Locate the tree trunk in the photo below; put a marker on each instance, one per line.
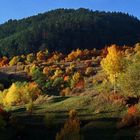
(114, 83)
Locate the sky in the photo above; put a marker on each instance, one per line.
(17, 9)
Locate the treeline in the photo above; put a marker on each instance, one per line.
(67, 29)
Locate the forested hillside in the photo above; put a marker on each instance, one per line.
(68, 29)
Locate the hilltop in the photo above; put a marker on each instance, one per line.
(68, 29)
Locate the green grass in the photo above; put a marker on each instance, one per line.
(88, 107)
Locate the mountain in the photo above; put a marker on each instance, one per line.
(67, 29)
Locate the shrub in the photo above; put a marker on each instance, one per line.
(128, 81)
(73, 114)
(46, 71)
(129, 52)
(103, 86)
(127, 121)
(75, 79)
(65, 92)
(132, 110)
(80, 84)
(74, 55)
(66, 78)
(55, 86)
(30, 57)
(42, 99)
(57, 56)
(57, 73)
(21, 93)
(116, 98)
(131, 118)
(4, 61)
(89, 71)
(48, 84)
(69, 70)
(38, 77)
(27, 69)
(31, 69)
(20, 67)
(58, 82)
(71, 130)
(14, 60)
(41, 56)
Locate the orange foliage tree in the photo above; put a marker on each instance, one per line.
(71, 130)
(4, 61)
(41, 56)
(74, 55)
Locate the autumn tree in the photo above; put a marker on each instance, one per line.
(15, 60)
(77, 81)
(74, 55)
(30, 57)
(57, 73)
(71, 129)
(41, 56)
(4, 61)
(21, 93)
(112, 64)
(57, 56)
(46, 70)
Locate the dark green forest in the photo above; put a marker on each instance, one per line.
(67, 29)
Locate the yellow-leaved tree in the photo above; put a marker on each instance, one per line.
(112, 64)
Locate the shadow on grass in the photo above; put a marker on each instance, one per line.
(19, 110)
(97, 128)
(59, 99)
(106, 129)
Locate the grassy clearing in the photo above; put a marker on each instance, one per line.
(88, 107)
(98, 117)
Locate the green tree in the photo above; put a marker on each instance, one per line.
(39, 77)
(129, 81)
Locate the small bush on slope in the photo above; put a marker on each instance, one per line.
(130, 118)
(14, 61)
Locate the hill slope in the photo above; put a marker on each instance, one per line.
(68, 29)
